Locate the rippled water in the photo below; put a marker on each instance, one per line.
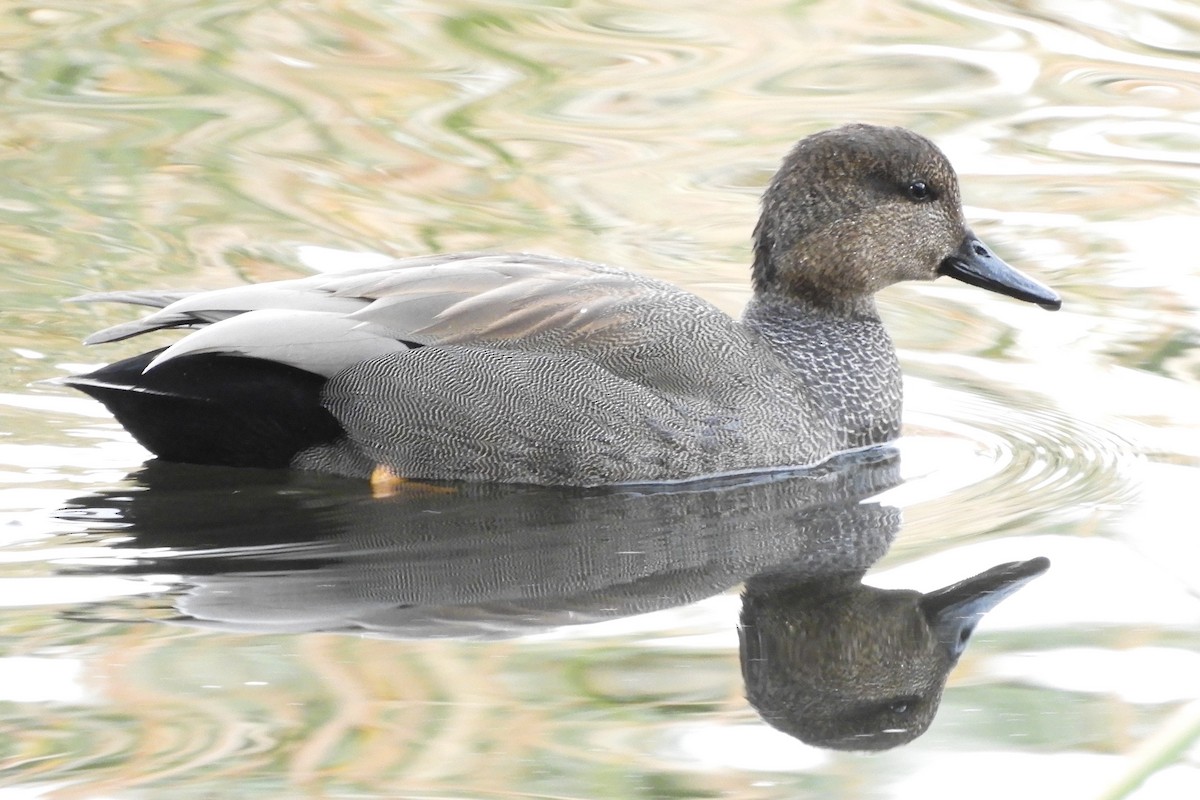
(176, 144)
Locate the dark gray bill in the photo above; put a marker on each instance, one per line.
(954, 611)
(975, 264)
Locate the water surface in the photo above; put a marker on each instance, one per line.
(180, 144)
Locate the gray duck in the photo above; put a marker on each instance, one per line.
(532, 369)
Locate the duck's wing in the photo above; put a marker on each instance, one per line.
(197, 309)
(490, 298)
(325, 322)
(420, 288)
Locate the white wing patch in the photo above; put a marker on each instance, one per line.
(320, 342)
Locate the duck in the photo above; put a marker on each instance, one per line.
(526, 368)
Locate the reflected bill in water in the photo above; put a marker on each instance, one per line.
(825, 658)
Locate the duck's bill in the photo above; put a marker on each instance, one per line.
(953, 611)
(975, 264)
(981, 593)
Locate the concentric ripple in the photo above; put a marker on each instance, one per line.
(983, 462)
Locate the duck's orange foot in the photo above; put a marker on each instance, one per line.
(385, 483)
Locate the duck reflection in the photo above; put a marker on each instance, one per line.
(842, 665)
(826, 658)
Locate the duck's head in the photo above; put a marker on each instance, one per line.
(858, 208)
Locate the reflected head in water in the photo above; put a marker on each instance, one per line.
(842, 665)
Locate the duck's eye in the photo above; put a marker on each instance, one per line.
(920, 191)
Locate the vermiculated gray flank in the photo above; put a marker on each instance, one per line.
(525, 368)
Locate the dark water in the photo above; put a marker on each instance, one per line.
(479, 644)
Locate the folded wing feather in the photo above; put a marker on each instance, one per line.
(327, 322)
(320, 342)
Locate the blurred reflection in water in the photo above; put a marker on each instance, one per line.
(825, 658)
(842, 665)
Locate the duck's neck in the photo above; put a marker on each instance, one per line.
(842, 356)
(807, 334)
